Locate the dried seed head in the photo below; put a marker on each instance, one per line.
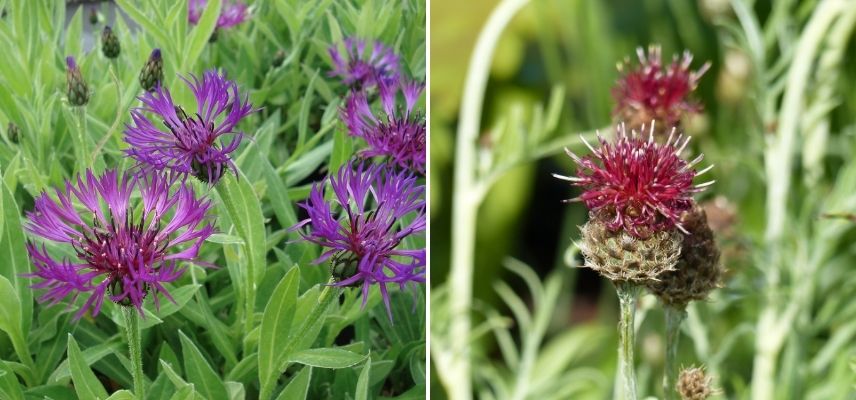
(110, 43)
(76, 88)
(698, 271)
(694, 384)
(619, 256)
(151, 75)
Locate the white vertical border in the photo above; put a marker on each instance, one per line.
(428, 199)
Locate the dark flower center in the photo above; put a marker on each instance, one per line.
(117, 250)
(343, 266)
(197, 137)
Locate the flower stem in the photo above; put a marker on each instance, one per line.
(80, 147)
(132, 332)
(627, 295)
(674, 317)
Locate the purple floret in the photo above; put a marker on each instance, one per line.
(394, 132)
(120, 254)
(373, 209)
(189, 144)
(231, 13)
(359, 68)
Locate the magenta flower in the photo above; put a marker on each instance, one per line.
(395, 132)
(359, 68)
(231, 13)
(654, 92)
(189, 144)
(120, 254)
(637, 184)
(373, 209)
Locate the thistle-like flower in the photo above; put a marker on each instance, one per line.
(694, 384)
(359, 68)
(652, 91)
(110, 43)
(77, 90)
(231, 13)
(189, 144)
(120, 253)
(636, 184)
(151, 76)
(395, 132)
(373, 209)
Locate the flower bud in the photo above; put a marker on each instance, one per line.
(278, 58)
(77, 89)
(152, 74)
(698, 271)
(93, 16)
(110, 43)
(620, 256)
(13, 133)
(693, 384)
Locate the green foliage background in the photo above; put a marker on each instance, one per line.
(255, 325)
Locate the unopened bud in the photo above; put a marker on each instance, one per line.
(110, 43)
(278, 58)
(152, 74)
(77, 90)
(13, 133)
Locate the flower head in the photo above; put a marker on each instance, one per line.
(77, 90)
(395, 132)
(189, 144)
(651, 91)
(231, 13)
(694, 384)
(637, 184)
(373, 209)
(121, 253)
(359, 68)
(151, 76)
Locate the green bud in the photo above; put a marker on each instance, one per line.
(13, 133)
(110, 43)
(278, 58)
(152, 74)
(77, 89)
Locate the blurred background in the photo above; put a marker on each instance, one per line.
(576, 45)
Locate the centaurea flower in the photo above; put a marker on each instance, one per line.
(120, 254)
(373, 209)
(231, 13)
(189, 144)
(359, 68)
(654, 91)
(394, 131)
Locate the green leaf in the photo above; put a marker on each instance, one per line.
(9, 386)
(73, 34)
(276, 322)
(362, 392)
(145, 22)
(122, 395)
(245, 212)
(13, 252)
(343, 149)
(86, 384)
(298, 388)
(200, 373)
(10, 319)
(200, 34)
(328, 358)
(90, 356)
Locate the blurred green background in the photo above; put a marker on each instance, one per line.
(577, 44)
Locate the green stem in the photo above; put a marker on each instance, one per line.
(627, 295)
(674, 317)
(132, 333)
(454, 363)
(80, 148)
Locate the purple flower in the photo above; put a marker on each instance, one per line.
(361, 69)
(118, 250)
(373, 209)
(231, 13)
(189, 143)
(395, 132)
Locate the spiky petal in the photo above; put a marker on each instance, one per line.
(373, 209)
(189, 144)
(231, 13)
(394, 131)
(637, 184)
(360, 68)
(652, 91)
(120, 254)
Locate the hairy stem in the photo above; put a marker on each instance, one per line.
(674, 317)
(627, 296)
(132, 333)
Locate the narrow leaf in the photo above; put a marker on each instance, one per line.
(86, 384)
